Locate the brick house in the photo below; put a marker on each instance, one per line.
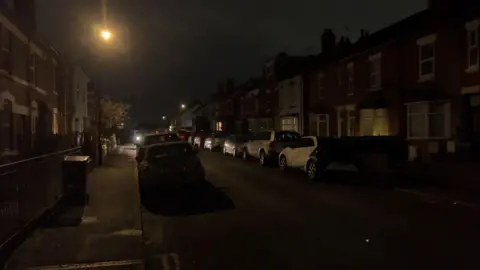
(256, 107)
(225, 110)
(410, 79)
(28, 83)
(287, 78)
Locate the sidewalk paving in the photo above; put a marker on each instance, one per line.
(106, 232)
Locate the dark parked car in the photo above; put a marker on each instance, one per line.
(155, 138)
(171, 164)
(368, 158)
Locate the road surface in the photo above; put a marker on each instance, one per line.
(250, 217)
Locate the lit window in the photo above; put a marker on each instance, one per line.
(374, 122)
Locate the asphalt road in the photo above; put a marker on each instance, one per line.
(249, 217)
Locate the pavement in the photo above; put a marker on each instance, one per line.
(251, 217)
(106, 233)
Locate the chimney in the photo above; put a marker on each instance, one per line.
(328, 41)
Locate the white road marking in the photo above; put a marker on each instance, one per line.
(88, 265)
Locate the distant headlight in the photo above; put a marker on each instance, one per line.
(138, 138)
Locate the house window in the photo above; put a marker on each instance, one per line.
(472, 45)
(375, 71)
(321, 85)
(219, 126)
(374, 122)
(8, 130)
(33, 69)
(426, 63)
(428, 120)
(6, 46)
(350, 122)
(319, 125)
(290, 124)
(54, 79)
(55, 121)
(350, 74)
(34, 117)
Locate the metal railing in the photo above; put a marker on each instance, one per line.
(27, 189)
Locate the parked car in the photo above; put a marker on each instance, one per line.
(368, 158)
(266, 146)
(155, 138)
(171, 164)
(199, 139)
(234, 144)
(215, 141)
(296, 155)
(184, 135)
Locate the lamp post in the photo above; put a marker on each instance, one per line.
(106, 35)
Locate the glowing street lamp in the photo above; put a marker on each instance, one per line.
(183, 106)
(164, 117)
(106, 34)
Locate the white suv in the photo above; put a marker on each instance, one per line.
(266, 146)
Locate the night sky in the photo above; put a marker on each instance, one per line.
(179, 50)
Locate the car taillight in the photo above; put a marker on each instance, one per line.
(143, 166)
(183, 138)
(272, 145)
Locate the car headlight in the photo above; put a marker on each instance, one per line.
(138, 138)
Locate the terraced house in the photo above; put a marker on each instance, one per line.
(29, 82)
(417, 78)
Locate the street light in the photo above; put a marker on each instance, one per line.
(164, 117)
(183, 106)
(106, 34)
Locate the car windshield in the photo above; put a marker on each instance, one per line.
(161, 151)
(159, 138)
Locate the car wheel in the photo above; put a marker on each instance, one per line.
(263, 158)
(245, 154)
(282, 163)
(312, 171)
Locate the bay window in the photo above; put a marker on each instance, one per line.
(428, 120)
(374, 122)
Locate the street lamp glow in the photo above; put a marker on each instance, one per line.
(183, 106)
(164, 117)
(106, 35)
